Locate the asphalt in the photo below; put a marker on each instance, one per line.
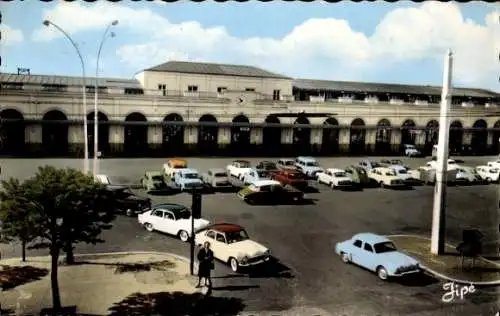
(302, 237)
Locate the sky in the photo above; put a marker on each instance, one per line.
(403, 42)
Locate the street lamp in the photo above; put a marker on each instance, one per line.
(96, 88)
(85, 136)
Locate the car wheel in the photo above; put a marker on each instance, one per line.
(129, 212)
(381, 183)
(250, 201)
(149, 227)
(382, 273)
(332, 185)
(183, 236)
(344, 257)
(234, 264)
(489, 180)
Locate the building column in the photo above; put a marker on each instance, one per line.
(190, 138)
(155, 140)
(420, 140)
(467, 138)
(256, 136)
(396, 141)
(316, 140)
(116, 138)
(287, 141)
(371, 139)
(490, 141)
(33, 138)
(76, 141)
(224, 138)
(344, 140)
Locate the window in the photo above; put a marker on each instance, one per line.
(221, 89)
(91, 89)
(276, 95)
(250, 89)
(221, 238)
(211, 234)
(170, 216)
(158, 213)
(12, 86)
(54, 87)
(133, 91)
(358, 243)
(162, 88)
(192, 88)
(368, 247)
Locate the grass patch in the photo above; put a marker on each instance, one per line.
(13, 276)
(143, 267)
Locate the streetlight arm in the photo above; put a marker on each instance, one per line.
(99, 51)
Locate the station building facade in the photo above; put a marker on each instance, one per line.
(187, 108)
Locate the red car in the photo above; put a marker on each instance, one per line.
(290, 177)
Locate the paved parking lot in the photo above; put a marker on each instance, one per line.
(302, 238)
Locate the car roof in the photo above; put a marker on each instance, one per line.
(266, 182)
(174, 208)
(188, 170)
(226, 227)
(241, 161)
(267, 162)
(371, 238)
(397, 167)
(335, 170)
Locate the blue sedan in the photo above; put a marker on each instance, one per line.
(378, 254)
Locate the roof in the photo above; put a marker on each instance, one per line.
(266, 182)
(69, 80)
(174, 208)
(188, 170)
(371, 238)
(306, 158)
(226, 227)
(370, 87)
(215, 69)
(335, 170)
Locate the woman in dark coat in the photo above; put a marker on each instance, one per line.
(206, 259)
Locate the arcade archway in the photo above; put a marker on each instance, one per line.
(172, 134)
(102, 133)
(407, 132)
(55, 133)
(240, 136)
(208, 136)
(479, 139)
(302, 136)
(11, 132)
(495, 148)
(330, 140)
(271, 135)
(456, 137)
(136, 134)
(383, 137)
(431, 135)
(357, 137)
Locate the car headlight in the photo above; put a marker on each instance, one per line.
(267, 252)
(244, 259)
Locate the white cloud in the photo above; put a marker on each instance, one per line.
(403, 35)
(10, 36)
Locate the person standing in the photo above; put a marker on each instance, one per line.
(206, 264)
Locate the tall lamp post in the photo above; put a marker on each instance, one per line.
(96, 92)
(85, 132)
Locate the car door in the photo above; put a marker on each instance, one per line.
(368, 257)
(156, 219)
(220, 247)
(169, 224)
(356, 251)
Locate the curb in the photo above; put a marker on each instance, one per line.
(445, 277)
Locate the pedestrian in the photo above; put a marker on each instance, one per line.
(206, 264)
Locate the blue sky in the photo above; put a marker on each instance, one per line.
(381, 42)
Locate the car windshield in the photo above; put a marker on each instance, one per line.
(402, 171)
(157, 178)
(312, 164)
(179, 166)
(183, 214)
(390, 173)
(244, 164)
(375, 164)
(383, 247)
(288, 163)
(269, 165)
(410, 146)
(236, 236)
(493, 170)
(220, 175)
(340, 174)
(191, 175)
(263, 173)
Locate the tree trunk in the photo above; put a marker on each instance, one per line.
(23, 250)
(56, 298)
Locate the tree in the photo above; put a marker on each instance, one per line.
(17, 217)
(71, 208)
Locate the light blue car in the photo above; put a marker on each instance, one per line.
(256, 175)
(378, 254)
(186, 179)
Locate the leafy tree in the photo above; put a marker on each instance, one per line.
(17, 216)
(71, 208)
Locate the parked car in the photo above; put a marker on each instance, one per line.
(407, 177)
(216, 178)
(266, 165)
(286, 164)
(385, 177)
(128, 203)
(102, 179)
(187, 179)
(269, 191)
(369, 164)
(468, 175)
(291, 178)
(378, 254)
(154, 181)
(359, 176)
(308, 166)
(256, 175)
(424, 174)
(452, 164)
(238, 168)
(392, 162)
(494, 163)
(231, 244)
(410, 150)
(172, 219)
(336, 179)
(490, 174)
(172, 166)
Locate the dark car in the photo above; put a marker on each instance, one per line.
(266, 165)
(269, 191)
(127, 202)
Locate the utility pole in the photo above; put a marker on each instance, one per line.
(439, 210)
(195, 213)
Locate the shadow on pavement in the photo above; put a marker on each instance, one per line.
(132, 267)
(13, 276)
(176, 304)
(234, 287)
(417, 280)
(271, 269)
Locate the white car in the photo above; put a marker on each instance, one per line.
(172, 219)
(173, 166)
(102, 179)
(231, 244)
(403, 173)
(468, 175)
(335, 178)
(255, 175)
(490, 174)
(239, 168)
(411, 151)
(385, 177)
(494, 164)
(452, 164)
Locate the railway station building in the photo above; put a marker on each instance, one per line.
(188, 108)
